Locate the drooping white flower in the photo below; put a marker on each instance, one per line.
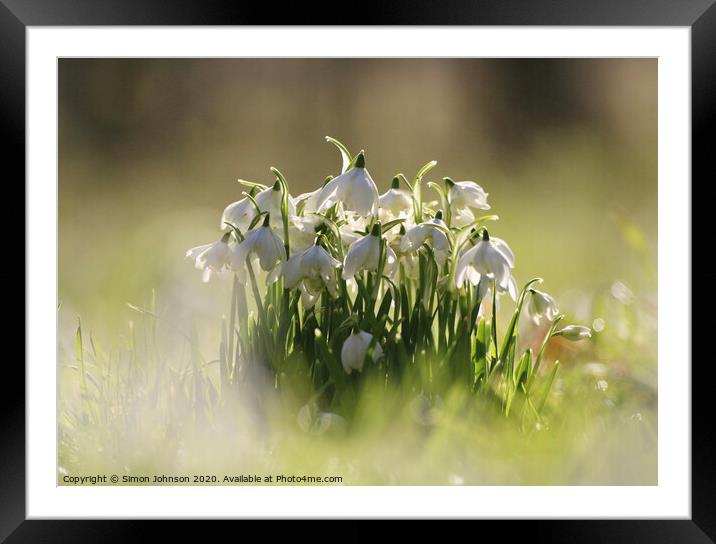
(574, 333)
(461, 217)
(417, 235)
(211, 258)
(353, 229)
(310, 199)
(355, 349)
(313, 421)
(302, 231)
(541, 306)
(484, 288)
(312, 269)
(364, 254)
(355, 189)
(409, 260)
(490, 257)
(466, 194)
(239, 214)
(395, 203)
(261, 242)
(269, 201)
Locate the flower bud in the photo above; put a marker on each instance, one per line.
(574, 333)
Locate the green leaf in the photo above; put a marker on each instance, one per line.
(548, 387)
(252, 185)
(345, 154)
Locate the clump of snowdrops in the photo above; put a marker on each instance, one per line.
(346, 284)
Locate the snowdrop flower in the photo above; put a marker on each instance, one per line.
(409, 260)
(355, 189)
(484, 288)
(417, 235)
(540, 306)
(395, 203)
(353, 229)
(466, 194)
(312, 420)
(312, 269)
(269, 201)
(355, 348)
(461, 217)
(310, 200)
(364, 254)
(261, 242)
(490, 257)
(239, 214)
(574, 333)
(302, 231)
(211, 258)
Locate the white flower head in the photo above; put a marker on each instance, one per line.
(211, 258)
(261, 242)
(312, 269)
(364, 254)
(302, 231)
(574, 333)
(308, 202)
(238, 214)
(353, 229)
(490, 257)
(355, 189)
(484, 289)
(461, 217)
(355, 349)
(417, 235)
(541, 306)
(395, 203)
(241, 213)
(269, 201)
(466, 194)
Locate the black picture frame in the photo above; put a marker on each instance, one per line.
(699, 15)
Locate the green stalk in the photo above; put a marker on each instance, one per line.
(542, 348)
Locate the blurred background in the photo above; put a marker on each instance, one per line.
(150, 151)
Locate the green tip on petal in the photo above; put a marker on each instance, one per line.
(360, 160)
(376, 230)
(449, 182)
(267, 219)
(326, 180)
(395, 184)
(485, 235)
(225, 237)
(439, 214)
(277, 186)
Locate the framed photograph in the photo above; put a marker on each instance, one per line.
(432, 264)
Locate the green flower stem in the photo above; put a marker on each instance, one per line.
(541, 351)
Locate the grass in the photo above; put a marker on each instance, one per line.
(142, 413)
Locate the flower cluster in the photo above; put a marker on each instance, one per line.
(352, 275)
